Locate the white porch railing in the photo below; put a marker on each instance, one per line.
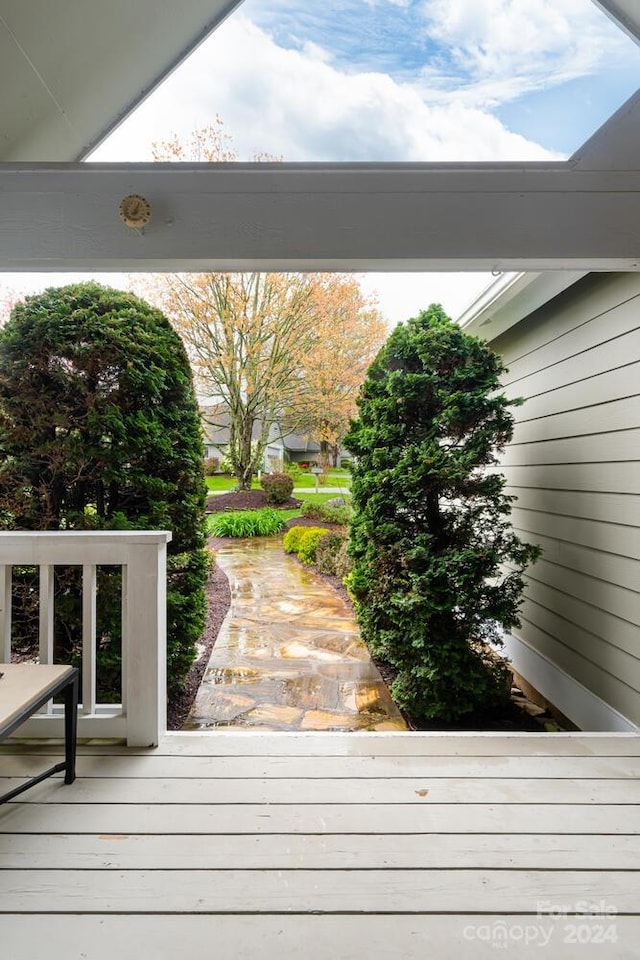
(140, 717)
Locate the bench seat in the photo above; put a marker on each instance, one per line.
(24, 688)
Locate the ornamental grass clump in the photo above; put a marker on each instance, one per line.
(246, 523)
(437, 567)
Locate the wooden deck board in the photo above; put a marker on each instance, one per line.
(274, 767)
(309, 891)
(315, 744)
(472, 937)
(260, 845)
(319, 851)
(319, 818)
(420, 790)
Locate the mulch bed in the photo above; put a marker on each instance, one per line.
(218, 602)
(245, 500)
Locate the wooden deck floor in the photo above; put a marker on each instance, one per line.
(235, 846)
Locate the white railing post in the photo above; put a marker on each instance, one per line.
(89, 651)
(145, 643)
(46, 613)
(5, 613)
(141, 716)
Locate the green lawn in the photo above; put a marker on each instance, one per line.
(338, 478)
(221, 482)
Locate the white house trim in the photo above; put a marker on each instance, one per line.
(580, 705)
(616, 145)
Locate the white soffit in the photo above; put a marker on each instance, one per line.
(511, 298)
(72, 70)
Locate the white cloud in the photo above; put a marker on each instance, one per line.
(503, 48)
(295, 105)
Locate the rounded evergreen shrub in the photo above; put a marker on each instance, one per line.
(292, 537)
(277, 487)
(343, 562)
(308, 544)
(437, 567)
(99, 429)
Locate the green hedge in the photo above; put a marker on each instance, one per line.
(100, 430)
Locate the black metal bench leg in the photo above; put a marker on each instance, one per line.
(70, 729)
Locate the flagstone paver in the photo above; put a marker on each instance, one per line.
(289, 655)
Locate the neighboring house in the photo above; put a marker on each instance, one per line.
(216, 440)
(572, 346)
(301, 448)
(292, 448)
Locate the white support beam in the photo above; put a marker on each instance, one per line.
(321, 217)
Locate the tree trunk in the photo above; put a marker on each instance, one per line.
(325, 455)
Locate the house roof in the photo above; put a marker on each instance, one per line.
(300, 443)
(77, 68)
(215, 427)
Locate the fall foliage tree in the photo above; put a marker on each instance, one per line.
(349, 332)
(268, 348)
(246, 336)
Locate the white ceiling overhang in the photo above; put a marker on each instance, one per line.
(580, 215)
(72, 70)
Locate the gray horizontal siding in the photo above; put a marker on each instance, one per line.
(574, 465)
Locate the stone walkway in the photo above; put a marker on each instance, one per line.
(288, 655)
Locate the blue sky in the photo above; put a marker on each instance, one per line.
(550, 70)
(396, 80)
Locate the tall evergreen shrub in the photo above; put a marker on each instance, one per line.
(99, 429)
(431, 529)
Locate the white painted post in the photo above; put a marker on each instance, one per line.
(88, 638)
(146, 642)
(124, 642)
(46, 613)
(5, 612)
